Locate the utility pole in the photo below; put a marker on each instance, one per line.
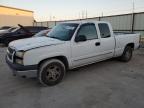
(82, 14)
(133, 6)
(50, 18)
(102, 14)
(79, 15)
(133, 15)
(54, 18)
(86, 14)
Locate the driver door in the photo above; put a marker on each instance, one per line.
(86, 52)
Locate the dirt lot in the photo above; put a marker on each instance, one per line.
(109, 84)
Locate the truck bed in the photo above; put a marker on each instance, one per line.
(123, 33)
(123, 38)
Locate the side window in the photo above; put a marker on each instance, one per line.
(89, 30)
(104, 30)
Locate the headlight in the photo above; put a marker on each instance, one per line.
(20, 54)
(19, 61)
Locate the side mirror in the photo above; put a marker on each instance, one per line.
(80, 38)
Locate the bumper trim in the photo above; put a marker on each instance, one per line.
(20, 70)
(19, 67)
(27, 74)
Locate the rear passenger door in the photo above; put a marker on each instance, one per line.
(107, 41)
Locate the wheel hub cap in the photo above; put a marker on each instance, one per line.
(53, 73)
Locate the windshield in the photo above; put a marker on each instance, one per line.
(11, 29)
(63, 32)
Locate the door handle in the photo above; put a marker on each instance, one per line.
(97, 44)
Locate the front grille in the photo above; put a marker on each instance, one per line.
(11, 50)
(10, 53)
(9, 56)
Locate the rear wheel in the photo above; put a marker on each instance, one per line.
(51, 72)
(127, 54)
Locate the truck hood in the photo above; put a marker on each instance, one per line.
(34, 42)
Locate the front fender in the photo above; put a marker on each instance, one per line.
(35, 56)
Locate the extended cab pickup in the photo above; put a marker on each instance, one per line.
(68, 46)
(20, 32)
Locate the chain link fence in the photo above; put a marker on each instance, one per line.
(133, 22)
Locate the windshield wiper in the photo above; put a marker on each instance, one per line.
(53, 37)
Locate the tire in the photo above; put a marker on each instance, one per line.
(127, 54)
(51, 72)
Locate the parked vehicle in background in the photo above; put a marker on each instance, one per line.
(68, 46)
(42, 33)
(19, 33)
(5, 27)
(7, 30)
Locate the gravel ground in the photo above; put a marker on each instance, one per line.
(108, 84)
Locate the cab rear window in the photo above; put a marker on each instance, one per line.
(104, 30)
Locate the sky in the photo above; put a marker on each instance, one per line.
(45, 10)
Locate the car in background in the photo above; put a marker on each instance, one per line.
(20, 32)
(42, 33)
(5, 27)
(7, 30)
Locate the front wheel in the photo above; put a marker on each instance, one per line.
(127, 54)
(51, 72)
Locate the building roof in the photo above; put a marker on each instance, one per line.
(16, 8)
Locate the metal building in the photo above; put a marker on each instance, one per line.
(10, 16)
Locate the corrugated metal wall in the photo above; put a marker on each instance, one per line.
(122, 22)
(127, 22)
(139, 22)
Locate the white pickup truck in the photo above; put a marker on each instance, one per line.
(68, 46)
